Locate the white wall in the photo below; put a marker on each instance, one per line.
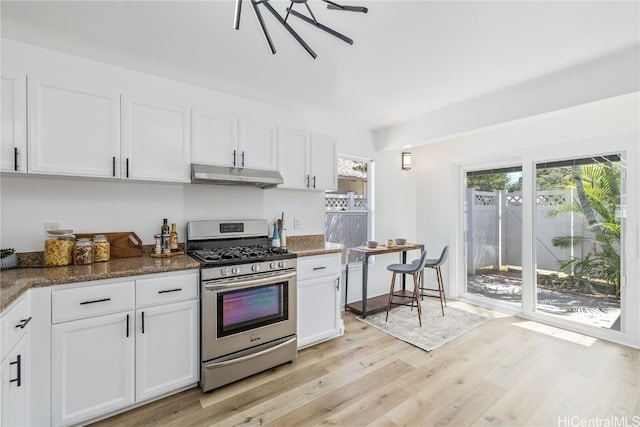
(604, 125)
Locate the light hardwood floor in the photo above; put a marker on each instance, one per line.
(507, 372)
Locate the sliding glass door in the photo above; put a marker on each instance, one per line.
(493, 201)
(547, 242)
(579, 224)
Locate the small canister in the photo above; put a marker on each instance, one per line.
(83, 252)
(158, 243)
(101, 248)
(58, 250)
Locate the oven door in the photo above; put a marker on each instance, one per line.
(243, 312)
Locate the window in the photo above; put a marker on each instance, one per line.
(348, 209)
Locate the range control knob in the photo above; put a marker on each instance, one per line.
(255, 268)
(224, 271)
(235, 270)
(273, 265)
(282, 264)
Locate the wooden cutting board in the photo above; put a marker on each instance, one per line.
(124, 244)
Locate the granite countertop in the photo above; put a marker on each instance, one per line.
(15, 282)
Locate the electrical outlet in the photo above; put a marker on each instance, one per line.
(48, 226)
(296, 223)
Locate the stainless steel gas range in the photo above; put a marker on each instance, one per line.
(248, 300)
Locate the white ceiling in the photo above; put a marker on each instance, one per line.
(408, 58)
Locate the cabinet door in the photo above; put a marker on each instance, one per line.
(293, 158)
(213, 139)
(14, 125)
(166, 348)
(257, 146)
(318, 310)
(155, 142)
(15, 408)
(73, 130)
(323, 161)
(92, 367)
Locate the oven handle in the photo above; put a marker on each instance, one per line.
(250, 356)
(250, 283)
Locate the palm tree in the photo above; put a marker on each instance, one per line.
(598, 188)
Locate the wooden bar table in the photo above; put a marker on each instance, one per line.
(375, 303)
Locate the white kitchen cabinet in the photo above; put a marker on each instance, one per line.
(319, 317)
(307, 160)
(166, 348)
(15, 364)
(14, 123)
(119, 343)
(74, 128)
(92, 367)
(166, 334)
(15, 386)
(214, 138)
(257, 146)
(155, 141)
(323, 162)
(92, 357)
(222, 140)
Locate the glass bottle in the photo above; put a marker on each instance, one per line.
(83, 252)
(173, 238)
(166, 235)
(275, 241)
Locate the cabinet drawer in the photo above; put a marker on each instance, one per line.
(318, 266)
(91, 300)
(15, 323)
(166, 289)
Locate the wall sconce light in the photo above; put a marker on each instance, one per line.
(406, 161)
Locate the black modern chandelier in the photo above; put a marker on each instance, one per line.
(311, 19)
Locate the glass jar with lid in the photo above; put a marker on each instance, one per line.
(83, 252)
(101, 248)
(58, 250)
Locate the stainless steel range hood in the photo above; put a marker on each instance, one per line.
(223, 175)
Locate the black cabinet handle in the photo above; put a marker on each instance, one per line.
(143, 322)
(319, 268)
(234, 157)
(307, 181)
(23, 323)
(314, 181)
(18, 378)
(113, 166)
(15, 159)
(127, 163)
(127, 326)
(95, 301)
(170, 290)
(243, 159)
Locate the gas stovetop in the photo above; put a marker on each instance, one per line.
(238, 247)
(239, 255)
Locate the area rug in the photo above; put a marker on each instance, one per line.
(435, 331)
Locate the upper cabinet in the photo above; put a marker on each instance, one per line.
(13, 157)
(227, 141)
(74, 129)
(155, 141)
(257, 146)
(307, 160)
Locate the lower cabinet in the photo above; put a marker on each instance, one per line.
(15, 386)
(121, 343)
(92, 367)
(166, 348)
(319, 317)
(15, 364)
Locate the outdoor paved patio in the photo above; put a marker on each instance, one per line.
(507, 286)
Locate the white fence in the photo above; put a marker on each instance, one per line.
(494, 229)
(346, 221)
